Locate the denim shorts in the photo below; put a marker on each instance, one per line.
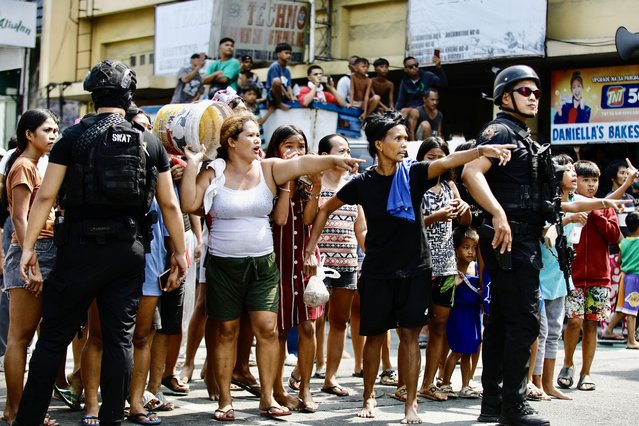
(46, 252)
(346, 281)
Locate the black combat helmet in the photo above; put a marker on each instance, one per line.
(111, 84)
(109, 74)
(509, 76)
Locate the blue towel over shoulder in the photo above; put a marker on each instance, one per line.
(399, 199)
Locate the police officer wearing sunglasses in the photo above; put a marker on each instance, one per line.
(514, 198)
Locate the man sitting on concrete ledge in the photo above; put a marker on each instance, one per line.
(316, 91)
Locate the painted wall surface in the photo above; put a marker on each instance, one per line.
(587, 21)
(373, 29)
(370, 28)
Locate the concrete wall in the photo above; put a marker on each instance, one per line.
(587, 21)
(370, 28)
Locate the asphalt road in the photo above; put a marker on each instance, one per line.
(615, 372)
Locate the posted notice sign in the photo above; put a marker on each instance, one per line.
(595, 105)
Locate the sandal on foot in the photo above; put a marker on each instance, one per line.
(359, 374)
(469, 393)
(433, 394)
(145, 418)
(586, 383)
(149, 401)
(448, 391)
(388, 378)
(400, 394)
(164, 404)
(533, 393)
(224, 416)
(253, 389)
(293, 383)
(275, 411)
(69, 398)
(565, 379)
(90, 421)
(320, 374)
(336, 390)
(176, 386)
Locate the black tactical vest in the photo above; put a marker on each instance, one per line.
(109, 170)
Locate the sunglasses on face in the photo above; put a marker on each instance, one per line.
(527, 91)
(412, 66)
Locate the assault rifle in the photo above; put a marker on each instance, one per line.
(565, 253)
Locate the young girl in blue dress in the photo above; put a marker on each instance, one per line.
(464, 323)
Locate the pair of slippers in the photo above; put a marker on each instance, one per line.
(565, 380)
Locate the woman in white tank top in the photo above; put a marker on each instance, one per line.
(241, 275)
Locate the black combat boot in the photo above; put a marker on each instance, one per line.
(521, 414)
(490, 409)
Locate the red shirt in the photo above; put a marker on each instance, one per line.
(305, 91)
(591, 267)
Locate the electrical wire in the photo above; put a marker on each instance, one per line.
(583, 43)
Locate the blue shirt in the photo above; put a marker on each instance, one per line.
(277, 71)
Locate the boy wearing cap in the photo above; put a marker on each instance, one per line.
(278, 79)
(189, 87)
(382, 86)
(223, 72)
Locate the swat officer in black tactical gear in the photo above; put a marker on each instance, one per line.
(107, 171)
(514, 198)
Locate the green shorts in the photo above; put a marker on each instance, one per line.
(236, 285)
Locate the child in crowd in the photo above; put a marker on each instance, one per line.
(249, 96)
(589, 302)
(464, 323)
(628, 305)
(360, 92)
(344, 83)
(278, 79)
(382, 86)
(441, 205)
(618, 178)
(553, 292)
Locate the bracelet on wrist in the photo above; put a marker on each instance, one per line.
(478, 152)
(284, 189)
(603, 204)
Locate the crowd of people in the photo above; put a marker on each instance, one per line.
(417, 95)
(119, 250)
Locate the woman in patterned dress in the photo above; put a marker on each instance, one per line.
(345, 228)
(442, 204)
(294, 212)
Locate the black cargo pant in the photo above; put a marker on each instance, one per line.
(112, 272)
(513, 323)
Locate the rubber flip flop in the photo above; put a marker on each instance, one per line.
(275, 412)
(336, 390)
(90, 421)
(254, 390)
(224, 416)
(70, 399)
(178, 388)
(144, 418)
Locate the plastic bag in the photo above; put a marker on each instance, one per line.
(316, 294)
